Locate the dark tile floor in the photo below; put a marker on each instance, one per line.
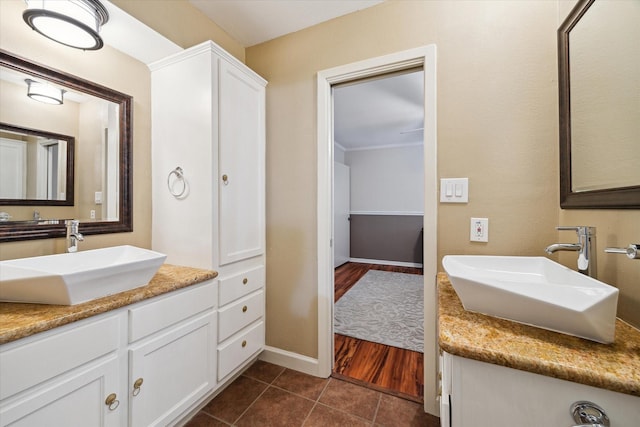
(270, 395)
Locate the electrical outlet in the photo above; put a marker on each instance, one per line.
(92, 214)
(479, 231)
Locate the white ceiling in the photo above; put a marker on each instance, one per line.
(380, 112)
(251, 22)
(374, 113)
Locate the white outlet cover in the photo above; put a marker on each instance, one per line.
(479, 230)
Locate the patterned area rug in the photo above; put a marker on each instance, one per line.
(384, 307)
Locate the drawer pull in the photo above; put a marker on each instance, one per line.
(244, 309)
(136, 386)
(245, 281)
(244, 343)
(112, 402)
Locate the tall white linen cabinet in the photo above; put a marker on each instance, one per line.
(208, 171)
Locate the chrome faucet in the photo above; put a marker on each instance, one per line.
(586, 247)
(73, 235)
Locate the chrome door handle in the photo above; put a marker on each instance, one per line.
(589, 414)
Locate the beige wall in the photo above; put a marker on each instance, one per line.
(497, 125)
(180, 22)
(107, 67)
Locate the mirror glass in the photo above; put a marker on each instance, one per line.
(35, 166)
(605, 97)
(599, 64)
(68, 161)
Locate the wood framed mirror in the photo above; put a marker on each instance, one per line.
(37, 167)
(101, 165)
(599, 94)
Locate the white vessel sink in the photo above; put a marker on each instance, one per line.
(535, 291)
(73, 278)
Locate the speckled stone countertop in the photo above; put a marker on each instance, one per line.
(18, 320)
(476, 336)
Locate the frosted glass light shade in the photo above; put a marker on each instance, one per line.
(44, 92)
(74, 23)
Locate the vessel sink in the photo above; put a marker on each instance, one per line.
(535, 291)
(73, 278)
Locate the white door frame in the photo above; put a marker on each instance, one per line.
(425, 57)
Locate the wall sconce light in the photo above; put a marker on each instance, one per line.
(44, 92)
(74, 23)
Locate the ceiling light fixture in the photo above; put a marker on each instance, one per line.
(44, 92)
(74, 23)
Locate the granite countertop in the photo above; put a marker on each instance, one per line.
(485, 338)
(18, 320)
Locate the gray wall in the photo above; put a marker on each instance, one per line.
(387, 237)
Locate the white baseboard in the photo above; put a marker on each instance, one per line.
(291, 360)
(384, 262)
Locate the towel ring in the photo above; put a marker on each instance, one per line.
(178, 172)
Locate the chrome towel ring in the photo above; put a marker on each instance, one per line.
(179, 176)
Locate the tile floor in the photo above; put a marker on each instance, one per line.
(270, 395)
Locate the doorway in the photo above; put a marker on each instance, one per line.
(378, 196)
(424, 57)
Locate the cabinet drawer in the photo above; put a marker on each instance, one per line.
(39, 360)
(153, 316)
(234, 287)
(236, 316)
(239, 349)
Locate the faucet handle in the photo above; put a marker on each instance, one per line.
(632, 251)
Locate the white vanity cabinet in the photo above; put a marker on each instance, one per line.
(208, 119)
(479, 394)
(171, 355)
(65, 375)
(141, 365)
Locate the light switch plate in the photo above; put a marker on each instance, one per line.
(454, 190)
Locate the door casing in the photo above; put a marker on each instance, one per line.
(424, 57)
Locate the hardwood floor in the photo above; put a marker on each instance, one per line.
(390, 369)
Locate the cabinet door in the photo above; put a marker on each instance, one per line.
(173, 370)
(77, 399)
(241, 165)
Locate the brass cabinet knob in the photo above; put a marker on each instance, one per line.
(244, 309)
(225, 179)
(244, 343)
(136, 386)
(112, 402)
(245, 281)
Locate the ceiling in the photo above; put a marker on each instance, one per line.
(373, 113)
(379, 112)
(251, 22)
